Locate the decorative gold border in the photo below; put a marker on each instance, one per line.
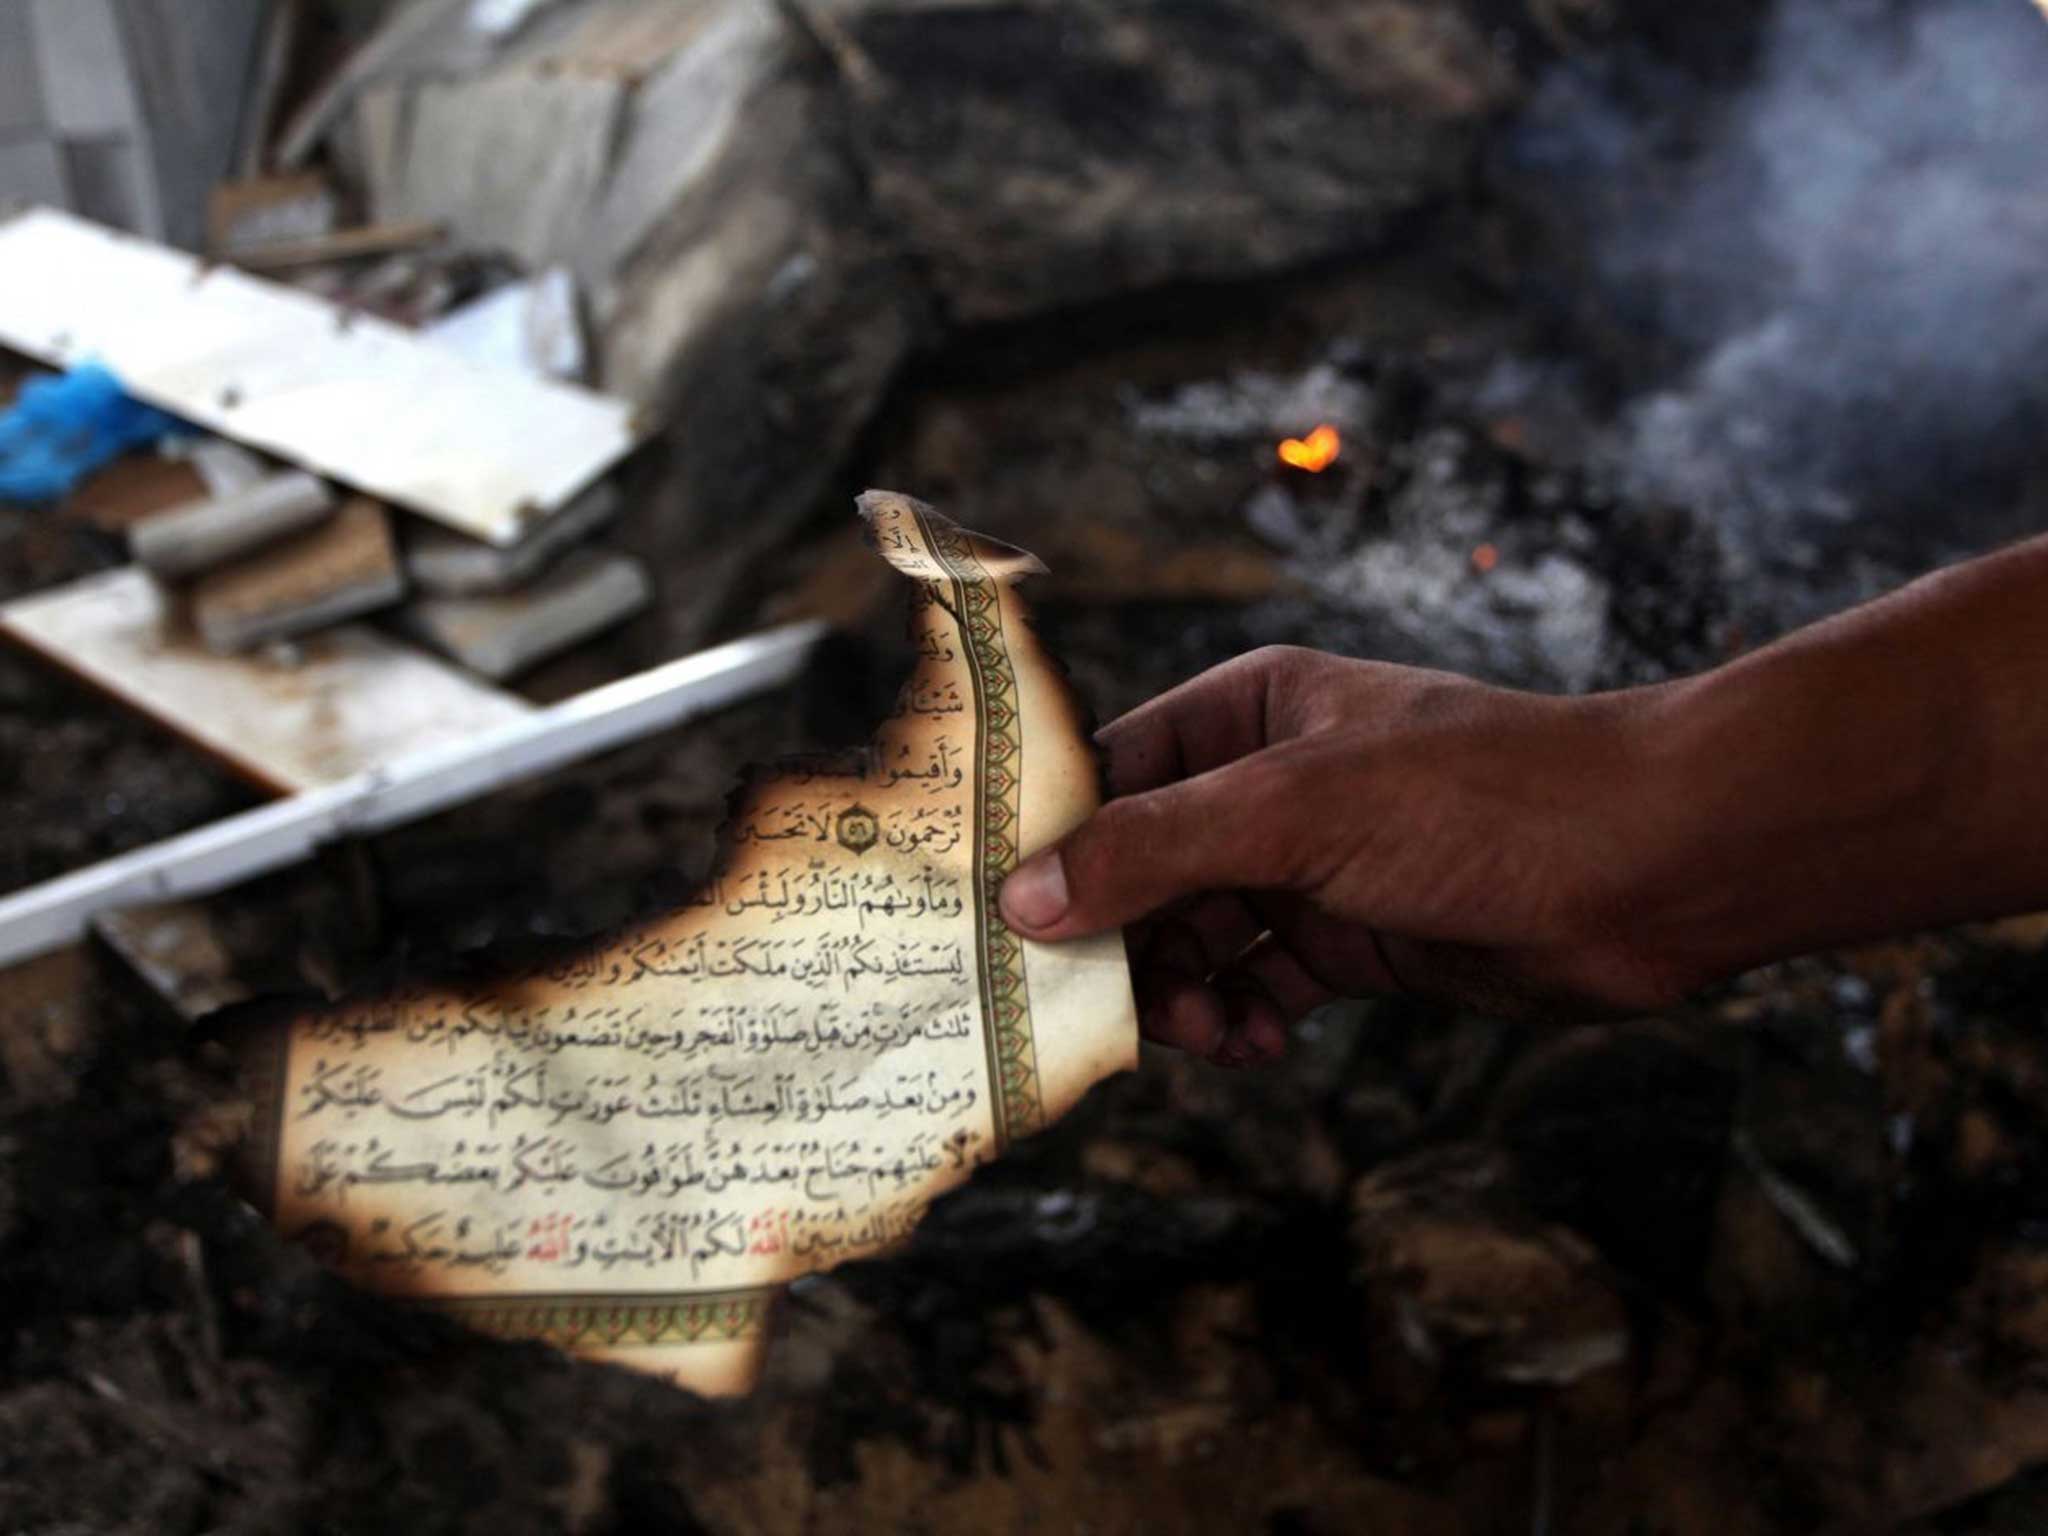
(630, 1321)
(998, 816)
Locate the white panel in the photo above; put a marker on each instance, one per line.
(351, 701)
(357, 399)
(37, 920)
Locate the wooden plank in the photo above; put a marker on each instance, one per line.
(342, 245)
(134, 488)
(348, 396)
(627, 40)
(351, 700)
(46, 916)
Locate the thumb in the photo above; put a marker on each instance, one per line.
(1218, 831)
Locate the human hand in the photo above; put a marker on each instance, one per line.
(1292, 827)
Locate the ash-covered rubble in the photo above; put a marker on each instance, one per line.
(1721, 1272)
(1461, 551)
(1458, 527)
(772, 208)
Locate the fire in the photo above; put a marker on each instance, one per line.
(1319, 450)
(1485, 558)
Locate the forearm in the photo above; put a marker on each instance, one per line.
(1883, 772)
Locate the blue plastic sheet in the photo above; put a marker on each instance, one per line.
(65, 426)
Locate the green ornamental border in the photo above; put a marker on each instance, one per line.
(998, 817)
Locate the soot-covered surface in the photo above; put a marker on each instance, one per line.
(1769, 1264)
(1765, 1266)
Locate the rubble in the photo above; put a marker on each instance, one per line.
(534, 326)
(510, 164)
(227, 468)
(403, 786)
(257, 213)
(443, 563)
(121, 111)
(1033, 156)
(769, 207)
(137, 487)
(201, 535)
(356, 399)
(330, 706)
(176, 951)
(345, 566)
(1464, 1281)
(341, 245)
(501, 635)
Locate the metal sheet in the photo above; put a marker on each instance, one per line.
(348, 396)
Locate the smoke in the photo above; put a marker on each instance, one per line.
(1838, 272)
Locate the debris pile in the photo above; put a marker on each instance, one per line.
(272, 553)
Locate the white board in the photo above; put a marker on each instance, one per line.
(211, 858)
(348, 396)
(352, 700)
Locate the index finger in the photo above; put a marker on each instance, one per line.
(1208, 721)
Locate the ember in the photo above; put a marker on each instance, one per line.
(1315, 453)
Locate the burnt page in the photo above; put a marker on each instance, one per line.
(627, 1152)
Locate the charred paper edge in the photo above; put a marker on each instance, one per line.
(644, 1319)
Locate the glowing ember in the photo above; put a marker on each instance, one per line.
(1485, 558)
(1315, 453)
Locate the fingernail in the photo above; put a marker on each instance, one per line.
(1036, 895)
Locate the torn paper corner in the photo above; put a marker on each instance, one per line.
(629, 1151)
(892, 520)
